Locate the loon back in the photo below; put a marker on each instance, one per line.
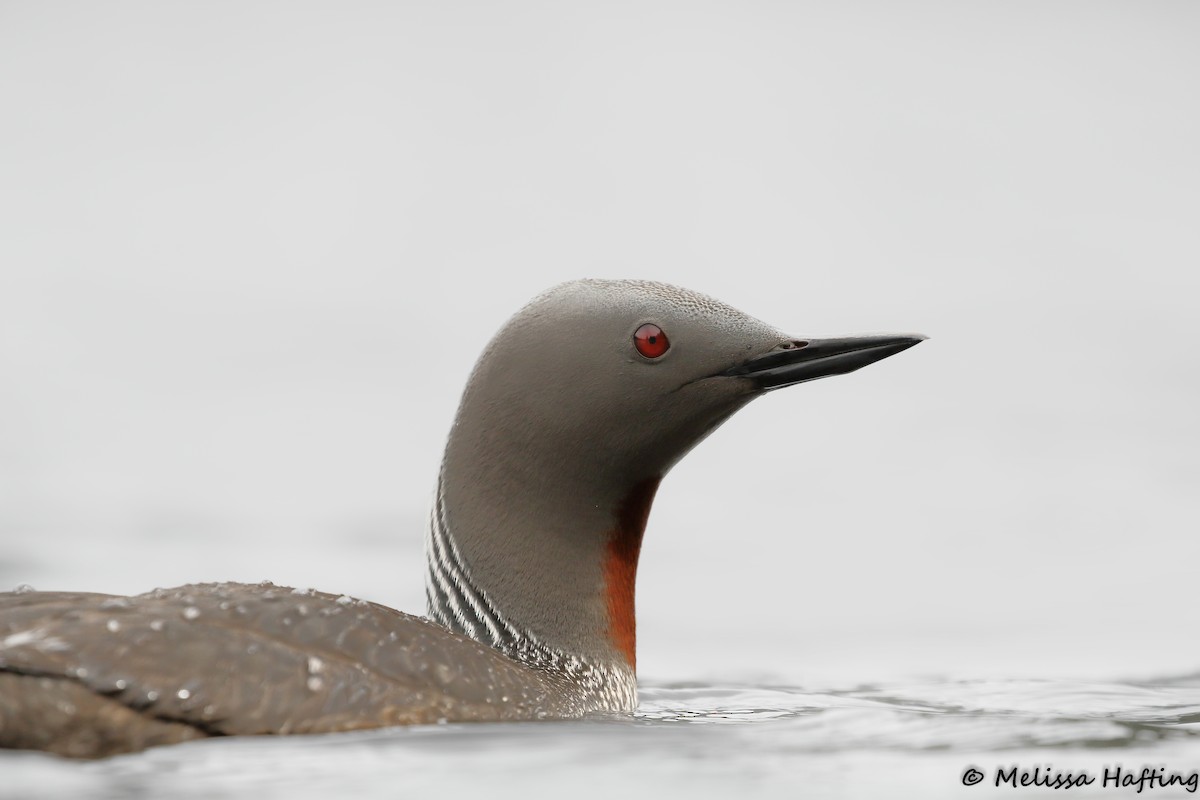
(92, 675)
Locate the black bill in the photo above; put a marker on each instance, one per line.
(820, 358)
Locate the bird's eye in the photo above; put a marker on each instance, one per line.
(650, 340)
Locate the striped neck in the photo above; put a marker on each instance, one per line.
(456, 601)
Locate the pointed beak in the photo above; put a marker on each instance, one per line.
(819, 358)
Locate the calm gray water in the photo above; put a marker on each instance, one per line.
(903, 740)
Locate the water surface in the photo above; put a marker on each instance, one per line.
(705, 740)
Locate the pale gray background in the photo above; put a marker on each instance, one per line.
(250, 251)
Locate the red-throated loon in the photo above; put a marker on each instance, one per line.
(576, 410)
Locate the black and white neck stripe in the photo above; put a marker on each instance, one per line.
(455, 601)
(452, 598)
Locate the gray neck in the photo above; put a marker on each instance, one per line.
(459, 599)
(541, 503)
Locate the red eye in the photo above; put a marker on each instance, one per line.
(650, 340)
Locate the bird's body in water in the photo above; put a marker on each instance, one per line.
(576, 410)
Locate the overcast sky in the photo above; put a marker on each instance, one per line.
(250, 251)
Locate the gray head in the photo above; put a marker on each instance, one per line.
(575, 411)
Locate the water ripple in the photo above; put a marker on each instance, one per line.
(975, 715)
(703, 740)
